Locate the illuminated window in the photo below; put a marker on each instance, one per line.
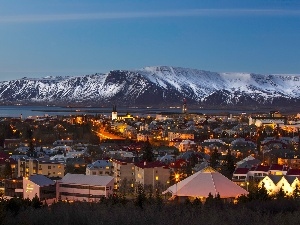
(156, 178)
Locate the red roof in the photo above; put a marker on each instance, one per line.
(145, 164)
(4, 155)
(293, 172)
(178, 163)
(241, 171)
(262, 168)
(276, 167)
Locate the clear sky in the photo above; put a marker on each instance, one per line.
(76, 37)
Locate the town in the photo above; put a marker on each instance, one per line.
(89, 157)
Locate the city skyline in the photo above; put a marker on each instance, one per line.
(78, 38)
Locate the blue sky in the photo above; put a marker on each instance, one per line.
(40, 38)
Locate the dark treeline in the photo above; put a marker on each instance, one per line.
(250, 210)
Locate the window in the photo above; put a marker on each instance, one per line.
(49, 167)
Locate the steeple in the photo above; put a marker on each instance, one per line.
(184, 106)
(114, 113)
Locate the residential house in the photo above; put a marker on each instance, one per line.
(290, 162)
(186, 145)
(180, 134)
(144, 136)
(100, 167)
(240, 176)
(258, 173)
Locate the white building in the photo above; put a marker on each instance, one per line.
(100, 168)
(80, 187)
(40, 186)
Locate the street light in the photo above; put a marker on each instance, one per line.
(177, 176)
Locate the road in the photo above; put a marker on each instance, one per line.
(106, 135)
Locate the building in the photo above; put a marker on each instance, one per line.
(40, 186)
(205, 182)
(152, 174)
(144, 136)
(51, 168)
(13, 188)
(240, 176)
(183, 135)
(100, 168)
(80, 187)
(272, 119)
(27, 167)
(123, 173)
(114, 113)
(186, 145)
(63, 142)
(290, 162)
(8, 166)
(273, 183)
(31, 166)
(258, 172)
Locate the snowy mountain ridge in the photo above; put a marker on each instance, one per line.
(157, 85)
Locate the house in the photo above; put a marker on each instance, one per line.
(276, 169)
(80, 187)
(144, 136)
(205, 182)
(186, 145)
(100, 168)
(290, 162)
(40, 186)
(180, 134)
(240, 176)
(248, 162)
(258, 172)
(63, 142)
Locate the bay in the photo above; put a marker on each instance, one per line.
(32, 111)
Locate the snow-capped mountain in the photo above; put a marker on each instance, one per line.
(159, 85)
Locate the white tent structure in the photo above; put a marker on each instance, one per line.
(206, 181)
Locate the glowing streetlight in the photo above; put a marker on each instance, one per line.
(176, 176)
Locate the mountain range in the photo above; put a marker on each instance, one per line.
(160, 86)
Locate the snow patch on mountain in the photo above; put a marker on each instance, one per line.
(157, 85)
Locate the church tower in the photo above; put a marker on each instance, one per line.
(114, 113)
(184, 106)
